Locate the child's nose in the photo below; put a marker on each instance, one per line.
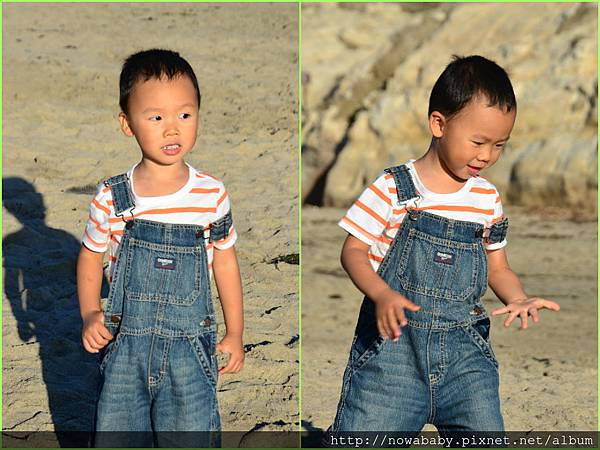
(485, 153)
(171, 128)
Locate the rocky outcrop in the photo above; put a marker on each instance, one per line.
(368, 70)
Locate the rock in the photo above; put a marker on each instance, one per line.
(366, 106)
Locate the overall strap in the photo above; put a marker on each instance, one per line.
(404, 183)
(498, 231)
(121, 193)
(219, 229)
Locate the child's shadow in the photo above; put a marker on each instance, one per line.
(40, 285)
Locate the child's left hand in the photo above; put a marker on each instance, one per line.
(523, 308)
(233, 346)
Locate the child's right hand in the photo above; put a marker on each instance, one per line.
(95, 335)
(389, 312)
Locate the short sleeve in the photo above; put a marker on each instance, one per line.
(97, 228)
(498, 215)
(227, 236)
(368, 217)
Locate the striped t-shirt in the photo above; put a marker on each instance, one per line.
(202, 201)
(376, 216)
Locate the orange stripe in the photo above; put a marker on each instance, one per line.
(477, 190)
(388, 177)
(391, 227)
(100, 207)
(375, 258)
(223, 197)
(497, 219)
(498, 199)
(106, 189)
(98, 244)
(118, 232)
(380, 194)
(168, 211)
(393, 190)
(204, 174)
(488, 212)
(386, 240)
(359, 228)
(399, 211)
(98, 227)
(369, 211)
(110, 202)
(205, 190)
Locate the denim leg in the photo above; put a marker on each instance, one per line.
(122, 414)
(185, 398)
(386, 392)
(468, 397)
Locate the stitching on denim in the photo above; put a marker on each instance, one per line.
(410, 286)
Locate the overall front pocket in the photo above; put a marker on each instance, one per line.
(438, 267)
(166, 274)
(204, 347)
(479, 332)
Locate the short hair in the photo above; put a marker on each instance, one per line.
(154, 63)
(467, 77)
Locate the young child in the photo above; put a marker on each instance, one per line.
(166, 227)
(425, 240)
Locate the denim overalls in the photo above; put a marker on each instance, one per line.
(442, 369)
(160, 370)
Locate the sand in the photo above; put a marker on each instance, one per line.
(548, 373)
(61, 138)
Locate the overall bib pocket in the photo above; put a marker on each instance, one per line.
(439, 268)
(163, 273)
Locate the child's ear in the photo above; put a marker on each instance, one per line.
(437, 122)
(125, 125)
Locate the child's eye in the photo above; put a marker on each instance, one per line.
(155, 118)
(500, 146)
(477, 143)
(184, 116)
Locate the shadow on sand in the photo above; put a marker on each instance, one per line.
(40, 285)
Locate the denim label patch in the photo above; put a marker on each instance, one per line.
(444, 258)
(165, 263)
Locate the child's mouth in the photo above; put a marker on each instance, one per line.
(171, 149)
(473, 169)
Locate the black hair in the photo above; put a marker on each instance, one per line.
(154, 63)
(467, 77)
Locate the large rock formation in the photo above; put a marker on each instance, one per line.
(369, 69)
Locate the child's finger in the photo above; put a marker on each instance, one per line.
(105, 333)
(411, 306)
(88, 347)
(534, 314)
(400, 315)
(381, 329)
(499, 311)
(549, 304)
(393, 324)
(524, 323)
(512, 316)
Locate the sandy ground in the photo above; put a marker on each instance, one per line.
(548, 373)
(61, 137)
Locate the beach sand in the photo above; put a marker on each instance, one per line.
(548, 373)
(61, 138)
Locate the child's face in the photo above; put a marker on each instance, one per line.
(473, 139)
(163, 117)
